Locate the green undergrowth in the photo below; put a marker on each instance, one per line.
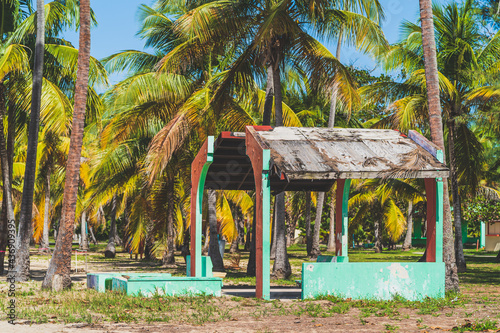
(391, 309)
(481, 325)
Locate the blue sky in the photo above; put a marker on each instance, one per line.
(118, 25)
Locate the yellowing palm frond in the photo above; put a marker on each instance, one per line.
(395, 221)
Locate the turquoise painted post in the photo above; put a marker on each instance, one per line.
(345, 217)
(439, 212)
(266, 224)
(199, 205)
(482, 236)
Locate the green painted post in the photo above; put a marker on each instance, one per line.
(439, 212)
(266, 224)
(345, 217)
(199, 205)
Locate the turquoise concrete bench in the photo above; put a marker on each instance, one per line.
(374, 280)
(103, 281)
(167, 286)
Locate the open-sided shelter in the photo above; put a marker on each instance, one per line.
(267, 159)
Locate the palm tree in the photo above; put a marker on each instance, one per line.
(378, 200)
(25, 223)
(58, 273)
(13, 59)
(464, 96)
(365, 33)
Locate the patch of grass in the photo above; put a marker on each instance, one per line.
(482, 325)
(391, 328)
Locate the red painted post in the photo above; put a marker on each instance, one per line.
(262, 265)
(254, 152)
(430, 190)
(338, 216)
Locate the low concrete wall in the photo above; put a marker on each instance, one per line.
(383, 281)
(168, 286)
(103, 281)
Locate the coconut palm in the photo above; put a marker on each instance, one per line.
(463, 95)
(58, 273)
(25, 223)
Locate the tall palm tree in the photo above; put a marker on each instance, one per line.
(25, 218)
(436, 127)
(13, 59)
(364, 32)
(58, 273)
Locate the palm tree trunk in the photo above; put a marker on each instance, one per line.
(46, 214)
(321, 198)
(248, 237)
(58, 273)
(409, 227)
(268, 103)
(251, 267)
(333, 101)
(272, 253)
(291, 232)
(6, 158)
(378, 236)
(110, 251)
(169, 256)
(266, 120)
(149, 245)
(457, 207)
(92, 237)
(436, 126)
(85, 238)
(8, 222)
(215, 254)
(25, 218)
(3, 237)
(315, 250)
(331, 237)
(308, 224)
(281, 268)
(204, 249)
(236, 240)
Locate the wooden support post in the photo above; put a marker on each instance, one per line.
(199, 170)
(341, 217)
(260, 159)
(430, 190)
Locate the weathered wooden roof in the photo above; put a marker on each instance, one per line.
(313, 158)
(322, 153)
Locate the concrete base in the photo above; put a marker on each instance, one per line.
(382, 281)
(103, 281)
(167, 286)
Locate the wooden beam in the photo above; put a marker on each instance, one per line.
(422, 141)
